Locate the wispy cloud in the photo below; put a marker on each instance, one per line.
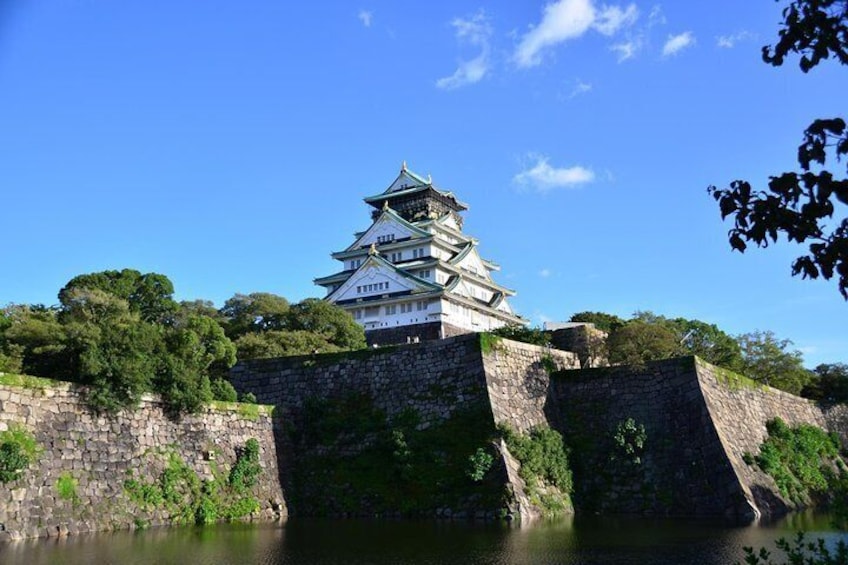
(676, 43)
(580, 87)
(569, 19)
(656, 16)
(545, 273)
(730, 41)
(627, 49)
(612, 18)
(365, 17)
(542, 177)
(475, 31)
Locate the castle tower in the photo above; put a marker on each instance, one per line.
(413, 274)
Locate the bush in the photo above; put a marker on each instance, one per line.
(223, 390)
(18, 450)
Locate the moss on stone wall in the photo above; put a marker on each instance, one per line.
(353, 460)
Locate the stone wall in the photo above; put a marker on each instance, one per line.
(518, 381)
(698, 420)
(497, 379)
(435, 378)
(97, 454)
(588, 342)
(739, 410)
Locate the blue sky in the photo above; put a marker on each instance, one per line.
(228, 145)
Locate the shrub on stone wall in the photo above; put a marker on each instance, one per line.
(18, 450)
(804, 461)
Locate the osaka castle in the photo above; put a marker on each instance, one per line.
(413, 274)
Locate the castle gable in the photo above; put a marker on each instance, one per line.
(377, 277)
(388, 228)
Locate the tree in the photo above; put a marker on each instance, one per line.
(148, 294)
(768, 360)
(708, 342)
(255, 312)
(282, 343)
(638, 342)
(602, 321)
(802, 205)
(329, 321)
(34, 342)
(829, 385)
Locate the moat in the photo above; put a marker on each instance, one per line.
(581, 540)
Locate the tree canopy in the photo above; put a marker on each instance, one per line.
(123, 334)
(808, 207)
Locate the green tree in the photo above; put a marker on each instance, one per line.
(604, 322)
(329, 321)
(283, 343)
(802, 205)
(255, 312)
(708, 342)
(35, 342)
(196, 350)
(769, 360)
(638, 341)
(150, 294)
(829, 384)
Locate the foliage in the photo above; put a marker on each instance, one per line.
(18, 450)
(246, 469)
(542, 455)
(248, 398)
(638, 342)
(282, 343)
(354, 459)
(800, 552)
(149, 295)
(479, 464)
(767, 359)
(34, 342)
(187, 498)
(801, 460)
(602, 321)
(802, 205)
(489, 342)
(223, 390)
(535, 336)
(829, 384)
(66, 487)
(329, 321)
(629, 442)
(255, 312)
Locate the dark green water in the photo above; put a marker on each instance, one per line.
(326, 542)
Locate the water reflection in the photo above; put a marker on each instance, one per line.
(583, 540)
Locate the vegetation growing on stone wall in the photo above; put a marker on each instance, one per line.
(66, 487)
(189, 499)
(544, 464)
(18, 450)
(489, 343)
(804, 462)
(629, 442)
(532, 335)
(356, 460)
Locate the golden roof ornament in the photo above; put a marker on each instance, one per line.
(429, 179)
(403, 165)
(373, 249)
(385, 205)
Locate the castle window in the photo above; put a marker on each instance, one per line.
(391, 309)
(422, 305)
(406, 308)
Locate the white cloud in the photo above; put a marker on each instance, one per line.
(729, 41)
(545, 273)
(656, 17)
(569, 19)
(365, 17)
(542, 177)
(475, 31)
(580, 88)
(562, 20)
(612, 18)
(677, 43)
(627, 50)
